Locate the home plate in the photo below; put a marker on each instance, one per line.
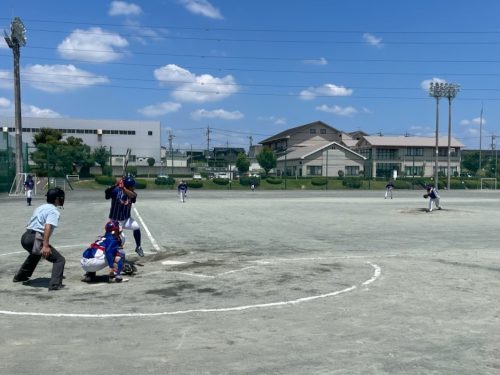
(172, 262)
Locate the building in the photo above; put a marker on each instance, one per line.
(142, 137)
(408, 156)
(315, 149)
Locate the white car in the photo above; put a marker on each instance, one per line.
(197, 176)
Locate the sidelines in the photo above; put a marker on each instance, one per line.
(376, 274)
(151, 238)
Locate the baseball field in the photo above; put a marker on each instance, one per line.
(264, 282)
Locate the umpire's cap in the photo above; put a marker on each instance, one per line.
(55, 193)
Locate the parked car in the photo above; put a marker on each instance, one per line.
(197, 176)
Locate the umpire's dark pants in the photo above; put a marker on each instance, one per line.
(32, 243)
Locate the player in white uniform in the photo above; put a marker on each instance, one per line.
(182, 189)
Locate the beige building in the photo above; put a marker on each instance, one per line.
(314, 149)
(317, 149)
(408, 156)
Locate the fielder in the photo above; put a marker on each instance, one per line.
(182, 189)
(29, 185)
(122, 197)
(388, 189)
(433, 196)
(107, 250)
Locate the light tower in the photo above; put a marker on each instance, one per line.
(15, 41)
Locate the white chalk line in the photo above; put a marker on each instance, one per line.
(376, 275)
(151, 238)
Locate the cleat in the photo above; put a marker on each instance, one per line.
(139, 251)
(56, 287)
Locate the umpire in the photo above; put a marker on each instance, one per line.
(35, 240)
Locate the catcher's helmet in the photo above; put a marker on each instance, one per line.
(112, 226)
(54, 193)
(129, 181)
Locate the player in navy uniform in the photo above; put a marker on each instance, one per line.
(29, 184)
(433, 196)
(182, 189)
(107, 250)
(388, 189)
(122, 197)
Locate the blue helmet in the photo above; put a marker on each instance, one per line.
(129, 181)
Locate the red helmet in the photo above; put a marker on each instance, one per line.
(112, 226)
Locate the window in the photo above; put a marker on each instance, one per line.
(150, 132)
(352, 170)
(414, 171)
(312, 131)
(322, 131)
(442, 151)
(313, 170)
(414, 151)
(386, 169)
(386, 153)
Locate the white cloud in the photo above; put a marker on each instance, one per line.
(474, 121)
(202, 7)
(60, 78)
(372, 40)
(425, 85)
(328, 89)
(160, 109)
(320, 61)
(4, 103)
(6, 81)
(3, 43)
(217, 113)
(32, 111)
(274, 119)
(141, 34)
(28, 110)
(338, 110)
(93, 44)
(366, 110)
(193, 88)
(122, 8)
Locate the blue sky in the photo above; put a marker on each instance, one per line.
(252, 68)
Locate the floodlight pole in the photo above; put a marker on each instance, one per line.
(451, 91)
(15, 41)
(436, 90)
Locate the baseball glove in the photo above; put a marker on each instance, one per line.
(426, 196)
(129, 269)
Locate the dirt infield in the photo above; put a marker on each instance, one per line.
(264, 283)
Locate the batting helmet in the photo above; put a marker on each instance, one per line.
(129, 181)
(112, 226)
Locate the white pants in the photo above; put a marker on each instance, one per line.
(388, 191)
(94, 264)
(182, 195)
(129, 224)
(29, 193)
(435, 201)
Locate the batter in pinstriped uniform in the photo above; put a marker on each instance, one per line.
(122, 197)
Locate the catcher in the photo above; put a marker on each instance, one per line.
(433, 196)
(107, 250)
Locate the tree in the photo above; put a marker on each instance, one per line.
(57, 157)
(101, 156)
(470, 161)
(267, 159)
(151, 162)
(242, 163)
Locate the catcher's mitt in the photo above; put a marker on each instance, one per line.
(129, 269)
(426, 196)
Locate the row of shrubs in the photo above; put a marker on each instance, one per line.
(349, 182)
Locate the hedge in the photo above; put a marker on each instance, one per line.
(318, 181)
(274, 180)
(247, 181)
(105, 180)
(220, 181)
(194, 184)
(352, 182)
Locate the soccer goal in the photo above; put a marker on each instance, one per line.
(488, 183)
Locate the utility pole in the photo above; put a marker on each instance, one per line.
(208, 139)
(170, 138)
(250, 138)
(15, 41)
(480, 136)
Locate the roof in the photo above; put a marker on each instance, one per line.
(286, 133)
(410, 141)
(303, 152)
